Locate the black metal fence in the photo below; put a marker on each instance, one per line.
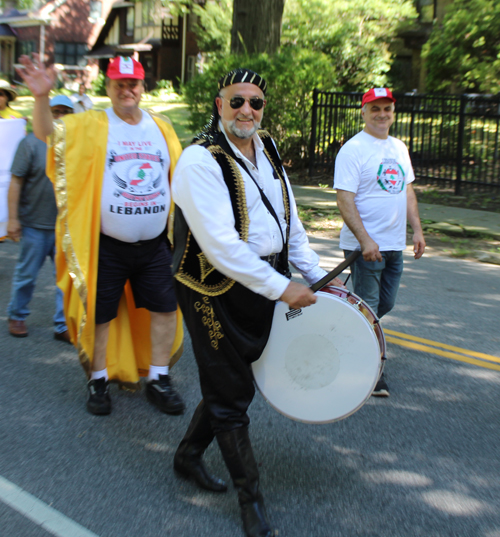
(453, 140)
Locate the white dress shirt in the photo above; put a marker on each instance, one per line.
(198, 188)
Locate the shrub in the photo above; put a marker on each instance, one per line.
(291, 76)
(99, 85)
(165, 91)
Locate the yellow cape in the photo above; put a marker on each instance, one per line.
(76, 160)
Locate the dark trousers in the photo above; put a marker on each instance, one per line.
(228, 333)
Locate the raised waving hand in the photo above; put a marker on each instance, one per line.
(39, 79)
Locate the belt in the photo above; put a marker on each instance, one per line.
(272, 259)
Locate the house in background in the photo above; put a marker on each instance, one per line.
(408, 68)
(164, 43)
(63, 31)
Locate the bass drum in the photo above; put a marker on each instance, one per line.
(321, 363)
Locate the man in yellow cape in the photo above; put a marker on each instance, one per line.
(76, 164)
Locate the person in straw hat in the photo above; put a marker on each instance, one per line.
(7, 95)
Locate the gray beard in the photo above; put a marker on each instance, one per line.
(240, 133)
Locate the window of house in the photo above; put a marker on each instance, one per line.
(25, 47)
(95, 10)
(129, 29)
(70, 53)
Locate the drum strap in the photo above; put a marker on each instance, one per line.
(283, 258)
(227, 148)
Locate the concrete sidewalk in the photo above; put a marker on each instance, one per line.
(439, 217)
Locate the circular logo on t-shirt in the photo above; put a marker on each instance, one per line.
(390, 176)
(138, 175)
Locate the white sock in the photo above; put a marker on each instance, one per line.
(103, 373)
(155, 371)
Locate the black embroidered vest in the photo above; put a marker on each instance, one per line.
(190, 265)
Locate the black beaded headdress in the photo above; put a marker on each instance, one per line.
(236, 76)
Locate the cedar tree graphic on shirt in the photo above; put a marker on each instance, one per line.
(138, 175)
(390, 176)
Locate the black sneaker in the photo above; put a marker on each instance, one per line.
(381, 388)
(162, 394)
(99, 400)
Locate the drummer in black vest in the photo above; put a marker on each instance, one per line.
(236, 229)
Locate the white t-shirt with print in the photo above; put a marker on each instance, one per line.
(135, 196)
(378, 172)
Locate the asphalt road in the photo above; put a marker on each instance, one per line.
(423, 462)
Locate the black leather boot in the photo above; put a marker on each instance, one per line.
(187, 458)
(238, 456)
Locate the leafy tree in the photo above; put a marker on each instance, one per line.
(355, 34)
(7, 5)
(214, 27)
(239, 25)
(463, 53)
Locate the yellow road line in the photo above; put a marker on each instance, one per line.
(488, 357)
(445, 354)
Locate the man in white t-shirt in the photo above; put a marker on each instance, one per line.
(111, 172)
(373, 176)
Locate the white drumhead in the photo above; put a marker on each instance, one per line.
(320, 365)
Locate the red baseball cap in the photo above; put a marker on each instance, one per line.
(377, 93)
(125, 67)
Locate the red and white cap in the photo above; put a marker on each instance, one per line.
(377, 93)
(125, 67)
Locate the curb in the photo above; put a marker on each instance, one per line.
(487, 257)
(457, 230)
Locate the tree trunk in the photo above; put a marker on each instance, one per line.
(256, 26)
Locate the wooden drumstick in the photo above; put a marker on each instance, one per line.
(336, 271)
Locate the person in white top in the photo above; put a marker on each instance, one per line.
(373, 176)
(112, 172)
(236, 228)
(81, 101)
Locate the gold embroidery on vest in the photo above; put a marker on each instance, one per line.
(205, 266)
(208, 320)
(241, 203)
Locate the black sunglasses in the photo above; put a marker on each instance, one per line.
(237, 102)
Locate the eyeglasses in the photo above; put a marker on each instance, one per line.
(61, 112)
(237, 102)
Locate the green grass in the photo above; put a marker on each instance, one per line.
(315, 219)
(176, 111)
(460, 252)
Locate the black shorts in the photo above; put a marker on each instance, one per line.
(148, 266)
